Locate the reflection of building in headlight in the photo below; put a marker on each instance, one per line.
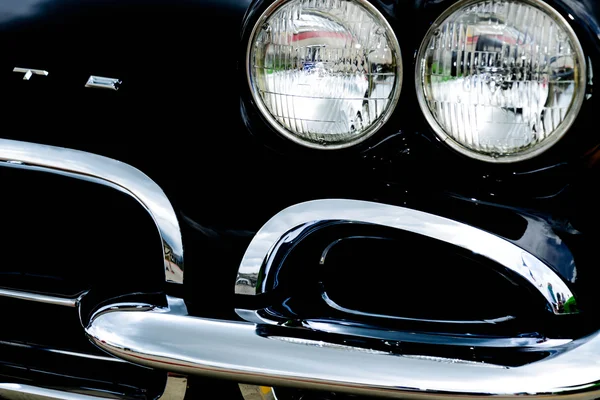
(322, 81)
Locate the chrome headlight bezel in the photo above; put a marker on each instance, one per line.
(287, 134)
(535, 150)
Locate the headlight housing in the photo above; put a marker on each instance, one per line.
(501, 80)
(324, 73)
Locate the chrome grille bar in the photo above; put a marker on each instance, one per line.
(42, 298)
(175, 389)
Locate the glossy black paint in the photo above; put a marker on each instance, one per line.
(181, 73)
(63, 236)
(232, 181)
(185, 117)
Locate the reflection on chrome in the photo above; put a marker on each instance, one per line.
(15, 391)
(253, 392)
(240, 351)
(554, 250)
(336, 306)
(433, 338)
(175, 389)
(295, 220)
(109, 172)
(322, 344)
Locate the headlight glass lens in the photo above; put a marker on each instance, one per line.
(325, 73)
(500, 80)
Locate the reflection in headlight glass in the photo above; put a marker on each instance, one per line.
(326, 71)
(500, 77)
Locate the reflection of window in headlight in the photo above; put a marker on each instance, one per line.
(500, 81)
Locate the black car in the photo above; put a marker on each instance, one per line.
(299, 199)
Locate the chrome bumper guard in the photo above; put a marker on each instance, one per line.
(168, 338)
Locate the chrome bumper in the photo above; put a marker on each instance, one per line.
(166, 339)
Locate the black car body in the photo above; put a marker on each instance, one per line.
(109, 196)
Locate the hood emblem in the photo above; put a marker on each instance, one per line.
(98, 82)
(101, 82)
(30, 72)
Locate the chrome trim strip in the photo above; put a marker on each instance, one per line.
(175, 389)
(41, 298)
(288, 224)
(84, 355)
(109, 172)
(64, 352)
(238, 351)
(15, 391)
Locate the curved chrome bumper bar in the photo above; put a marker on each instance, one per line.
(293, 222)
(161, 338)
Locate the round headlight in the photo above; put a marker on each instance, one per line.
(500, 81)
(324, 73)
